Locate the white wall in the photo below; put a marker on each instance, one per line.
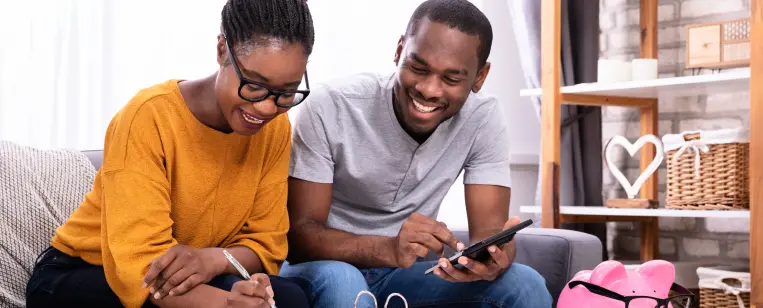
(67, 66)
(505, 80)
(94, 56)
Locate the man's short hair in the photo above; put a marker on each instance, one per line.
(459, 14)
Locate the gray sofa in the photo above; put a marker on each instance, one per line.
(556, 254)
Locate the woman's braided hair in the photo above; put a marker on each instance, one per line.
(251, 22)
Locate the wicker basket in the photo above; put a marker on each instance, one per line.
(717, 180)
(724, 287)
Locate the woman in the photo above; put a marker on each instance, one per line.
(193, 170)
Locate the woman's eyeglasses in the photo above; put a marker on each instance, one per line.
(683, 299)
(253, 91)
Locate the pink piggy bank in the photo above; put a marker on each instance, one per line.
(653, 278)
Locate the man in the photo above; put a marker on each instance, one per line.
(374, 156)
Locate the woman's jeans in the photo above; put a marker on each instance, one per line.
(59, 280)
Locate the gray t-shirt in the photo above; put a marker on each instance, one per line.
(347, 134)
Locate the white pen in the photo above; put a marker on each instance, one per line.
(240, 268)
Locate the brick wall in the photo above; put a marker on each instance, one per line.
(682, 239)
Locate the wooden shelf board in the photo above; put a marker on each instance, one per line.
(725, 82)
(661, 212)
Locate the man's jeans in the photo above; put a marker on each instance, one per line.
(334, 284)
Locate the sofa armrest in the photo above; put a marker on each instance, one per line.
(556, 254)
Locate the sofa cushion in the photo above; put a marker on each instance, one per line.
(95, 157)
(39, 189)
(558, 254)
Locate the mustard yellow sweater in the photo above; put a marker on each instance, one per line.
(167, 179)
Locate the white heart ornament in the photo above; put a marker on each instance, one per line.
(633, 189)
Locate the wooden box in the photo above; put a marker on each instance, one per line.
(723, 44)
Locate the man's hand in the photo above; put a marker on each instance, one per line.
(182, 268)
(251, 293)
(489, 270)
(419, 234)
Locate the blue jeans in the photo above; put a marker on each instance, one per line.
(334, 284)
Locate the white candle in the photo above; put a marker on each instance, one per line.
(612, 70)
(644, 69)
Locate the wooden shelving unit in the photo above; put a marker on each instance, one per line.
(645, 95)
(569, 213)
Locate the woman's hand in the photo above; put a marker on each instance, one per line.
(251, 293)
(182, 268)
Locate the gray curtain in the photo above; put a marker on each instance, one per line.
(581, 140)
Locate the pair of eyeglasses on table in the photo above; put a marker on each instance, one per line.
(683, 298)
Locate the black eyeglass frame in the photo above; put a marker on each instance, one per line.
(661, 302)
(277, 93)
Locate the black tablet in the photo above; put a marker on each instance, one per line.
(478, 251)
